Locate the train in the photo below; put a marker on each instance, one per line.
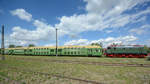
(127, 51)
(92, 51)
(119, 51)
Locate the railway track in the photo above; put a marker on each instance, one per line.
(91, 63)
(8, 79)
(74, 62)
(53, 75)
(101, 63)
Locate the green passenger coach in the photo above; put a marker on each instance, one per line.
(61, 51)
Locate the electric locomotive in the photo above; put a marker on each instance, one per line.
(128, 51)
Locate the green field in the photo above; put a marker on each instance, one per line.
(44, 70)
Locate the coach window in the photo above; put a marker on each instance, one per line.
(78, 52)
(52, 50)
(59, 50)
(91, 50)
(75, 53)
(72, 53)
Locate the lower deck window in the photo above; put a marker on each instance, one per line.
(72, 53)
(65, 53)
(78, 52)
(96, 50)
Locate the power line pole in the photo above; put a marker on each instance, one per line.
(2, 45)
(56, 42)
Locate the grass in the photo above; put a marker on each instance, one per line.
(88, 59)
(105, 74)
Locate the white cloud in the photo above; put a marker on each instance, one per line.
(138, 31)
(77, 42)
(53, 44)
(22, 14)
(117, 40)
(43, 32)
(102, 14)
(108, 31)
(148, 42)
(20, 42)
(105, 41)
(141, 30)
(140, 19)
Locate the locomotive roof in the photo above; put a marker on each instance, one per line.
(76, 46)
(127, 46)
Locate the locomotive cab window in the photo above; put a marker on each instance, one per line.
(109, 47)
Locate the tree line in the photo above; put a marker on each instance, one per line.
(32, 45)
(18, 46)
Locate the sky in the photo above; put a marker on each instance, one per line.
(79, 22)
